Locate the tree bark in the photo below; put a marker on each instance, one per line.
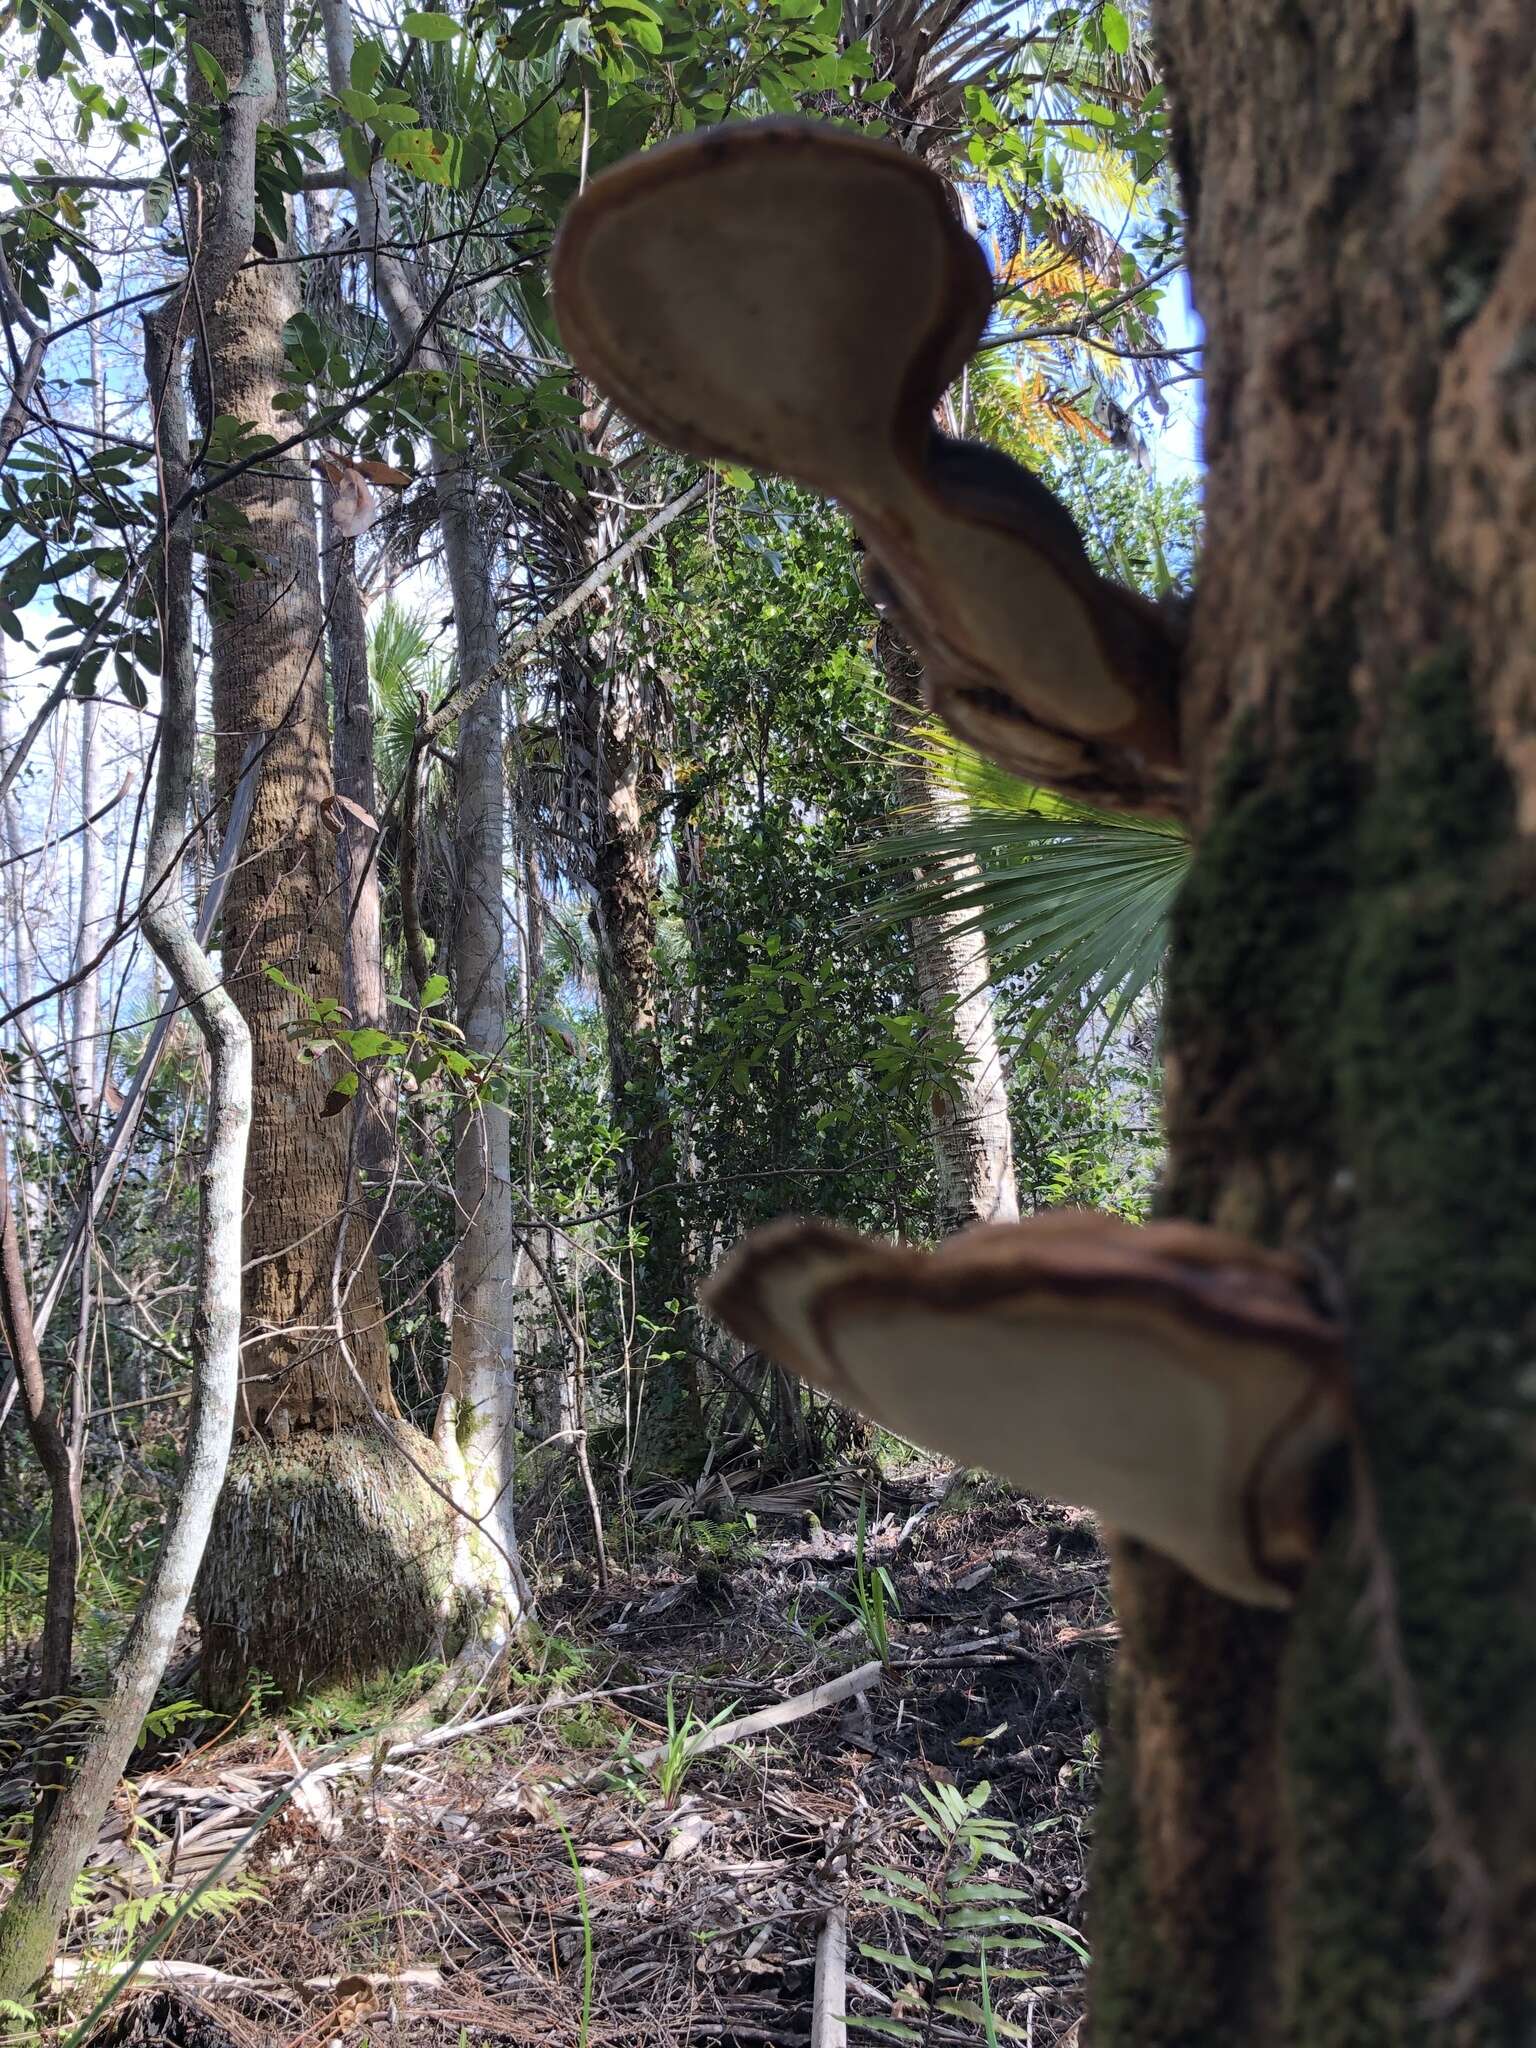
(476, 1427)
(622, 740)
(85, 1004)
(1323, 1830)
(23, 958)
(45, 1428)
(970, 1124)
(357, 867)
(64, 1836)
(283, 908)
(328, 1556)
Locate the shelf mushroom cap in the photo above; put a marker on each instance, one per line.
(1173, 1378)
(792, 297)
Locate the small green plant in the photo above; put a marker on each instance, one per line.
(165, 1720)
(966, 1926)
(588, 1951)
(874, 1592)
(360, 1708)
(681, 1747)
(547, 1663)
(133, 1916)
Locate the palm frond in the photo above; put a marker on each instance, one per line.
(1073, 903)
(402, 663)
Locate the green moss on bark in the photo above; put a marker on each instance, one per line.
(1259, 938)
(1353, 1010)
(1436, 1086)
(331, 1560)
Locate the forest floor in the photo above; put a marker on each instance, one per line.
(575, 1875)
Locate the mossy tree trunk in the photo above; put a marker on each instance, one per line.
(670, 1436)
(1323, 1829)
(315, 1386)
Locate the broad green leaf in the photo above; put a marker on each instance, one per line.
(368, 1042)
(428, 26)
(213, 73)
(367, 62)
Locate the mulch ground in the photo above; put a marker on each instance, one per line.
(532, 1883)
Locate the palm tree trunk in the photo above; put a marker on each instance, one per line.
(1323, 1828)
(329, 1551)
(969, 1121)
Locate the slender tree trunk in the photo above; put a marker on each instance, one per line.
(969, 1121)
(477, 1421)
(670, 1437)
(331, 1550)
(86, 1056)
(619, 716)
(34, 1912)
(357, 867)
(45, 1428)
(476, 1424)
(615, 783)
(85, 1024)
(23, 963)
(1322, 1830)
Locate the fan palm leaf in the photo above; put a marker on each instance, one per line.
(1073, 903)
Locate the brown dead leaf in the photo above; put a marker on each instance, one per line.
(383, 473)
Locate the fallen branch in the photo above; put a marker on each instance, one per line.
(780, 1715)
(829, 1997)
(69, 1970)
(456, 1731)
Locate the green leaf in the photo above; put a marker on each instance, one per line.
(430, 27)
(130, 682)
(304, 345)
(1117, 30)
(50, 52)
(212, 70)
(340, 1095)
(1074, 903)
(886, 1903)
(362, 106)
(433, 990)
(369, 1042)
(367, 62)
(355, 152)
(896, 1962)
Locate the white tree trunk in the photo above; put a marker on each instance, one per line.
(86, 1062)
(970, 1125)
(22, 964)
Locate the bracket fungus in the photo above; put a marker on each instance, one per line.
(1173, 1378)
(789, 296)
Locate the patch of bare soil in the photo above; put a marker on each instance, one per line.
(563, 1877)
